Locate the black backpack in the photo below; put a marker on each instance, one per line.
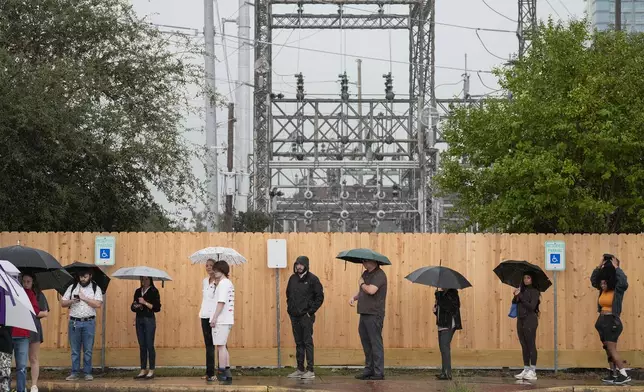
(76, 284)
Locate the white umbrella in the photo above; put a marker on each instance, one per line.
(15, 307)
(9, 268)
(230, 256)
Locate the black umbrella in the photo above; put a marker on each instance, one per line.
(25, 257)
(511, 272)
(98, 276)
(56, 279)
(441, 277)
(359, 255)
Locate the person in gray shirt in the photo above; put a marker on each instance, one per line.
(371, 308)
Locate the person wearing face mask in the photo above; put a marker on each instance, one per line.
(223, 319)
(208, 307)
(147, 302)
(82, 298)
(304, 296)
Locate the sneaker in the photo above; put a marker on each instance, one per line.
(308, 376)
(363, 376)
(34, 388)
(521, 375)
(530, 375)
(610, 379)
(72, 377)
(89, 377)
(296, 374)
(621, 379)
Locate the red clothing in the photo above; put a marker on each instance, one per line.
(23, 333)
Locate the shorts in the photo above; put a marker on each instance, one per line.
(220, 334)
(609, 328)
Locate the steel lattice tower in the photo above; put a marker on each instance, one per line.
(527, 23)
(343, 164)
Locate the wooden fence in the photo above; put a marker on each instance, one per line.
(410, 336)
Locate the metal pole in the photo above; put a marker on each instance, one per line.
(277, 318)
(231, 148)
(103, 328)
(554, 278)
(422, 203)
(211, 116)
(244, 136)
(618, 15)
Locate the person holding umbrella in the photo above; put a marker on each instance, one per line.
(223, 318)
(82, 298)
(21, 339)
(371, 298)
(35, 338)
(147, 302)
(447, 308)
(611, 282)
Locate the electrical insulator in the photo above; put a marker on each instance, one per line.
(389, 86)
(300, 86)
(344, 87)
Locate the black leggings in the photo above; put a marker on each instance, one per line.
(527, 331)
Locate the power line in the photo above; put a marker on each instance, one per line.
(487, 50)
(483, 83)
(498, 13)
(567, 10)
(553, 8)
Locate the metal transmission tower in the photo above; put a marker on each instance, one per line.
(344, 163)
(527, 23)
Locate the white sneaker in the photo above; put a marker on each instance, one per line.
(308, 376)
(296, 374)
(521, 375)
(530, 375)
(34, 388)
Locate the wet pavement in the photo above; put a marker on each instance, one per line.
(325, 384)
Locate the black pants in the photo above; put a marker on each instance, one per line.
(370, 329)
(303, 335)
(444, 343)
(145, 330)
(527, 331)
(210, 348)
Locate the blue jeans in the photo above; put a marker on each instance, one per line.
(81, 333)
(145, 329)
(21, 351)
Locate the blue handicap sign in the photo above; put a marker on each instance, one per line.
(555, 258)
(104, 254)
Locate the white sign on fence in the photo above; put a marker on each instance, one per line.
(555, 256)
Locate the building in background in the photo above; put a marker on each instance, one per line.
(601, 14)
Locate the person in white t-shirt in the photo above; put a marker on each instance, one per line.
(223, 319)
(82, 298)
(208, 307)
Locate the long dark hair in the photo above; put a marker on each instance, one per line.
(34, 284)
(609, 274)
(523, 287)
(151, 281)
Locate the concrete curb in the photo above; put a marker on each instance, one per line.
(54, 386)
(591, 388)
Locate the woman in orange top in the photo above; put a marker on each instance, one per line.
(611, 282)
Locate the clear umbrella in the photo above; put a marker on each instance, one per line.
(230, 256)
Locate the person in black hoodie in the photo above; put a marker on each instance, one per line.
(448, 321)
(527, 299)
(147, 302)
(611, 282)
(304, 296)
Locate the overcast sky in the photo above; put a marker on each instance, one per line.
(376, 48)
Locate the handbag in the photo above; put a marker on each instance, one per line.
(513, 311)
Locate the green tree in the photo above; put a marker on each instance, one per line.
(566, 152)
(92, 101)
(251, 222)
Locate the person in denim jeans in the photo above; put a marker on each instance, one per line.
(21, 347)
(146, 303)
(82, 299)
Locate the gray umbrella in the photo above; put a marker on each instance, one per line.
(134, 273)
(441, 277)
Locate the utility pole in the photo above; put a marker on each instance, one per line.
(243, 128)
(231, 154)
(212, 170)
(618, 15)
(363, 145)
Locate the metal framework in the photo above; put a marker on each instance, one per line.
(345, 164)
(527, 23)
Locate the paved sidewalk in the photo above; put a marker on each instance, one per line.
(330, 384)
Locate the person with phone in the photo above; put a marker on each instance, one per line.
(147, 302)
(82, 298)
(611, 282)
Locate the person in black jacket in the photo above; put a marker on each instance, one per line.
(147, 302)
(612, 283)
(527, 299)
(304, 296)
(448, 319)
